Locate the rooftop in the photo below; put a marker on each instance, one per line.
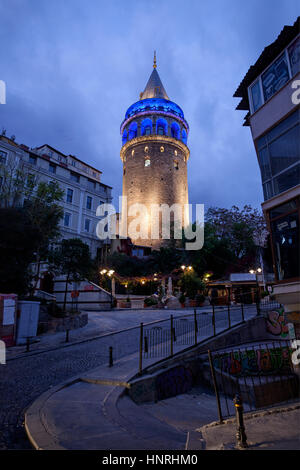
(269, 54)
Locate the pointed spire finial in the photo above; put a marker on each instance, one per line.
(154, 60)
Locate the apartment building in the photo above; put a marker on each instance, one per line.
(82, 185)
(270, 92)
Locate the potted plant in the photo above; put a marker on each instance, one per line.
(182, 299)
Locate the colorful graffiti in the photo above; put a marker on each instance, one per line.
(254, 361)
(276, 324)
(174, 382)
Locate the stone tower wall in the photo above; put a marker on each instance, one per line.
(163, 182)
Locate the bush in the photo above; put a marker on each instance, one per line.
(150, 301)
(182, 298)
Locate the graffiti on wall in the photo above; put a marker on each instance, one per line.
(174, 382)
(254, 361)
(276, 323)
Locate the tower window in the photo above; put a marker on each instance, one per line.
(146, 149)
(162, 149)
(160, 130)
(176, 166)
(147, 162)
(132, 152)
(147, 130)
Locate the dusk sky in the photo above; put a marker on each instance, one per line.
(73, 67)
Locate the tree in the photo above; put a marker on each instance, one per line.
(44, 211)
(190, 284)
(18, 243)
(225, 220)
(243, 230)
(71, 258)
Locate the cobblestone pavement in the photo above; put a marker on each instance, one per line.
(25, 378)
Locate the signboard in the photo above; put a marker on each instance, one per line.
(9, 312)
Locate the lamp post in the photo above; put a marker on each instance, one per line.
(109, 273)
(257, 299)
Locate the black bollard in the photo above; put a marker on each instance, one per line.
(67, 335)
(111, 361)
(241, 437)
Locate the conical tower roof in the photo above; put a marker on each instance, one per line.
(154, 87)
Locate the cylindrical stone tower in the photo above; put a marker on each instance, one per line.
(154, 154)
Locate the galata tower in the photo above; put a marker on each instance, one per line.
(154, 154)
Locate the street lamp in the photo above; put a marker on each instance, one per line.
(188, 268)
(109, 273)
(257, 271)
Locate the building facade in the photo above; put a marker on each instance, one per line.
(270, 93)
(154, 154)
(81, 183)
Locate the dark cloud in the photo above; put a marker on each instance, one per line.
(73, 67)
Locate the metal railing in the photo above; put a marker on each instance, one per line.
(163, 338)
(262, 375)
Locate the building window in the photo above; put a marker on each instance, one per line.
(256, 96)
(285, 239)
(161, 130)
(132, 131)
(67, 219)
(32, 159)
(146, 149)
(3, 156)
(279, 156)
(147, 130)
(74, 177)
(175, 130)
(162, 149)
(132, 153)
(176, 165)
(69, 195)
(91, 185)
(89, 202)
(275, 77)
(147, 162)
(52, 168)
(87, 224)
(294, 56)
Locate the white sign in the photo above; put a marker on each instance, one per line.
(9, 311)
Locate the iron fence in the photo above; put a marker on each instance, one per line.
(163, 338)
(262, 375)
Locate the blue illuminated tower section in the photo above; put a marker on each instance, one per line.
(154, 153)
